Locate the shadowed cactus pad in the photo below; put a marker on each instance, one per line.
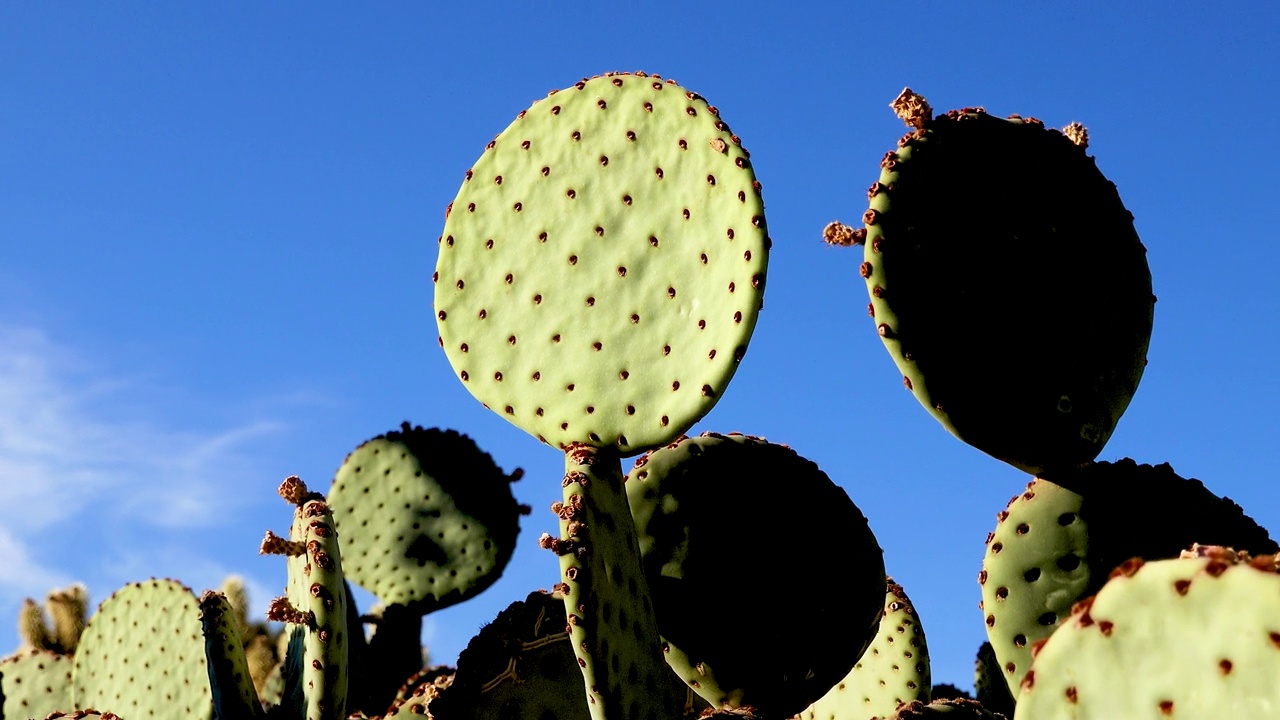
(143, 654)
(602, 267)
(1008, 284)
(426, 518)
(712, 513)
(1193, 637)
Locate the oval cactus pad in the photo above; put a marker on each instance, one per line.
(602, 267)
(426, 517)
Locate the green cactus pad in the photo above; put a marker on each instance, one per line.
(989, 684)
(1193, 637)
(950, 708)
(603, 264)
(426, 518)
(1008, 284)
(233, 693)
(1053, 547)
(84, 715)
(708, 525)
(142, 654)
(893, 671)
(34, 684)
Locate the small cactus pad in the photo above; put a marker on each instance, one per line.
(234, 695)
(989, 684)
(1053, 547)
(1008, 284)
(426, 518)
(1191, 637)
(607, 602)
(34, 684)
(142, 654)
(708, 526)
(603, 264)
(893, 671)
(949, 708)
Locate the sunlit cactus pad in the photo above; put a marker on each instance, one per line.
(602, 267)
(1008, 284)
(34, 684)
(143, 654)
(893, 671)
(767, 582)
(425, 517)
(1194, 637)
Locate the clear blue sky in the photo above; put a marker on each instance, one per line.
(218, 227)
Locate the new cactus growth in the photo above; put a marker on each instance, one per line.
(704, 542)
(1009, 225)
(599, 276)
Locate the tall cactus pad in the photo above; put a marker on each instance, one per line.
(602, 267)
(709, 525)
(34, 684)
(989, 685)
(1053, 546)
(893, 671)
(1194, 637)
(142, 654)
(1008, 283)
(234, 696)
(426, 518)
(607, 600)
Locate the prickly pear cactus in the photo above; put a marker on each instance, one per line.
(602, 267)
(234, 695)
(950, 708)
(1008, 284)
(1054, 546)
(426, 518)
(142, 654)
(1192, 637)
(33, 684)
(989, 686)
(893, 671)
(703, 536)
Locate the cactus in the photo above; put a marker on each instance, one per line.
(34, 683)
(1009, 225)
(234, 695)
(315, 608)
(599, 277)
(1054, 546)
(1191, 637)
(893, 671)
(989, 686)
(950, 708)
(142, 654)
(67, 609)
(701, 536)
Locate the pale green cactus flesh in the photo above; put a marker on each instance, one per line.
(1192, 637)
(233, 693)
(34, 684)
(707, 524)
(1008, 284)
(426, 518)
(893, 671)
(142, 655)
(602, 267)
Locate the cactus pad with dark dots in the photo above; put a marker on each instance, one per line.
(143, 654)
(426, 517)
(34, 684)
(712, 513)
(893, 671)
(601, 269)
(1190, 637)
(1008, 284)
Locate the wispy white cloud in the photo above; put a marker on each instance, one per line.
(95, 480)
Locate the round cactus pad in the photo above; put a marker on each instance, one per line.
(143, 654)
(426, 518)
(1008, 284)
(709, 526)
(602, 267)
(34, 684)
(1193, 637)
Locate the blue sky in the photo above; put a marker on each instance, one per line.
(218, 225)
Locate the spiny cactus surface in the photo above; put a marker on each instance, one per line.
(602, 266)
(1008, 284)
(713, 513)
(33, 684)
